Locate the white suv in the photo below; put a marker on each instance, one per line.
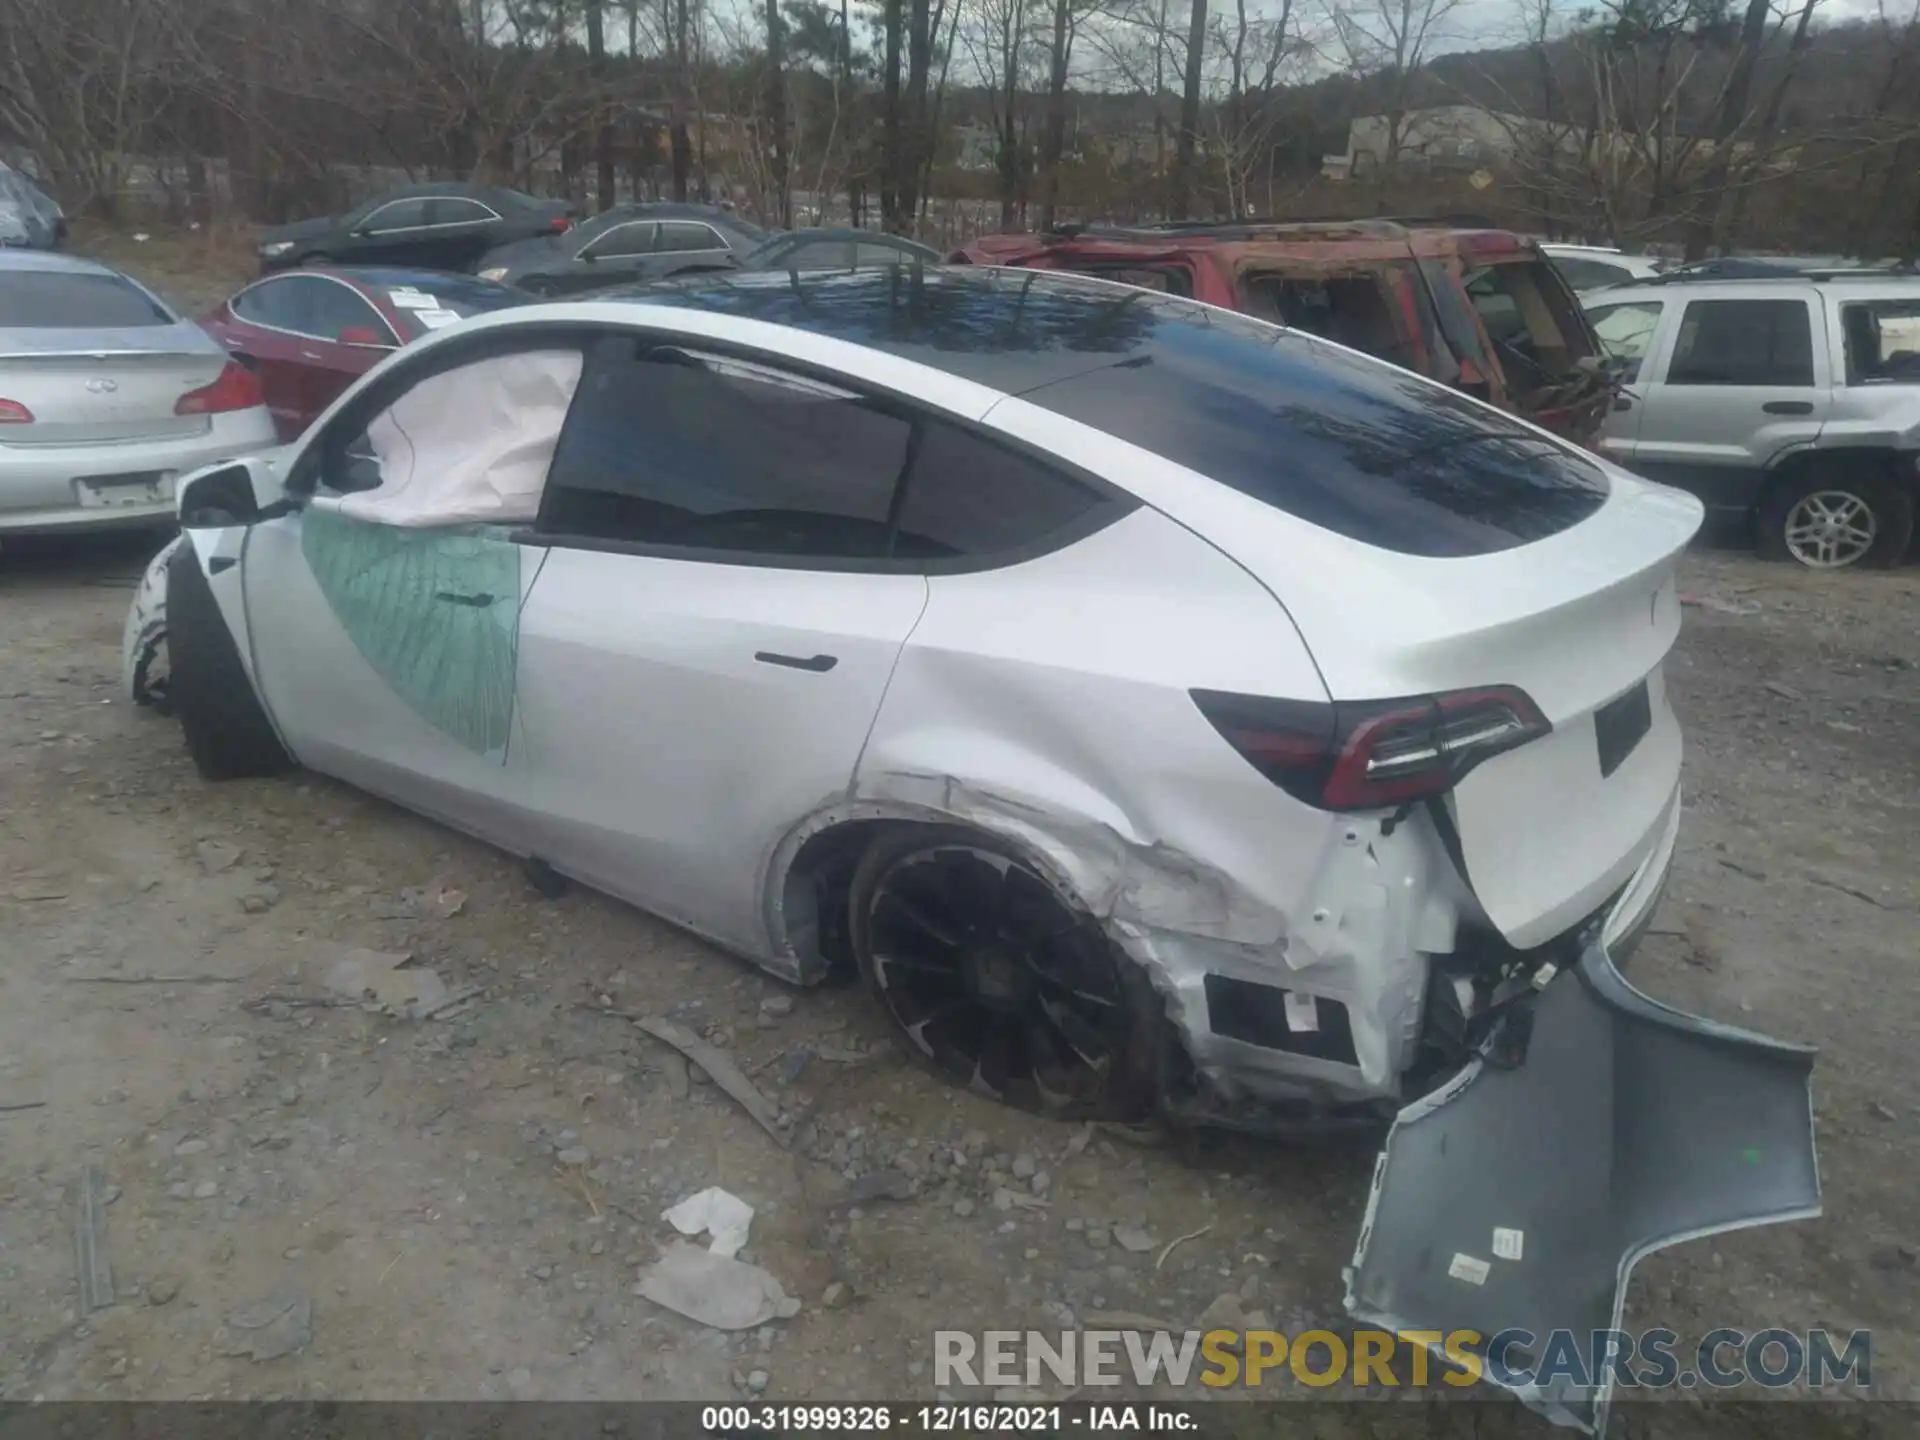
(1788, 405)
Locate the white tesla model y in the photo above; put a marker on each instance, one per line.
(1165, 712)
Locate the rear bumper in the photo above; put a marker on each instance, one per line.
(40, 490)
(1515, 1201)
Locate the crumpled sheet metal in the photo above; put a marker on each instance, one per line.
(1520, 1199)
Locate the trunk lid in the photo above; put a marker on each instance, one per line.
(1580, 621)
(104, 387)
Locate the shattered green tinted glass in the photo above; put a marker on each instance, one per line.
(435, 612)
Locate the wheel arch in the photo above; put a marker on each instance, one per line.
(810, 875)
(1797, 464)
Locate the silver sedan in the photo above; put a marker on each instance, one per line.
(106, 395)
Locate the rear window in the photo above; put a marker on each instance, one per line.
(54, 300)
(1359, 448)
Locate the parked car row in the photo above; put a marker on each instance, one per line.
(1784, 405)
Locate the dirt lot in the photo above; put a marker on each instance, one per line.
(406, 1179)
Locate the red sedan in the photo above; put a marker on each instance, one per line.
(309, 334)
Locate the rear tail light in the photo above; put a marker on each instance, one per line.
(235, 389)
(12, 412)
(1376, 753)
(560, 224)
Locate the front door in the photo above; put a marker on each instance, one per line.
(384, 614)
(714, 628)
(1740, 383)
(386, 657)
(1628, 333)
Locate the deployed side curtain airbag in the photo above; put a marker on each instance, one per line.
(468, 446)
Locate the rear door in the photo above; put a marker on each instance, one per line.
(462, 230)
(1736, 384)
(343, 338)
(713, 629)
(682, 245)
(395, 234)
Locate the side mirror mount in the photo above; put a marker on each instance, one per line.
(233, 492)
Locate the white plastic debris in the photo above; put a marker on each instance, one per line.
(723, 1216)
(726, 1294)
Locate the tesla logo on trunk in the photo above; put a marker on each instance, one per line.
(102, 386)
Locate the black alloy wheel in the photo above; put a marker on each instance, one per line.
(995, 984)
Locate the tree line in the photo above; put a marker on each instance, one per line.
(1695, 123)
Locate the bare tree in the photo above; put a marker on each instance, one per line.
(1180, 200)
(1387, 43)
(777, 117)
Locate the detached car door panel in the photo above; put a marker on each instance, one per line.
(708, 643)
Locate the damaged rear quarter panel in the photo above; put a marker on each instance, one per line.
(1048, 703)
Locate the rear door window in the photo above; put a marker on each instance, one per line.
(1744, 342)
(458, 210)
(408, 214)
(58, 300)
(273, 303)
(688, 235)
(633, 238)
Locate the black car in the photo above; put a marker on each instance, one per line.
(830, 249)
(446, 226)
(625, 244)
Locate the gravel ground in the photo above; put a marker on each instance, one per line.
(461, 1203)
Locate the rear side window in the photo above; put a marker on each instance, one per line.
(969, 496)
(705, 453)
(1883, 342)
(54, 300)
(1743, 342)
(1359, 448)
